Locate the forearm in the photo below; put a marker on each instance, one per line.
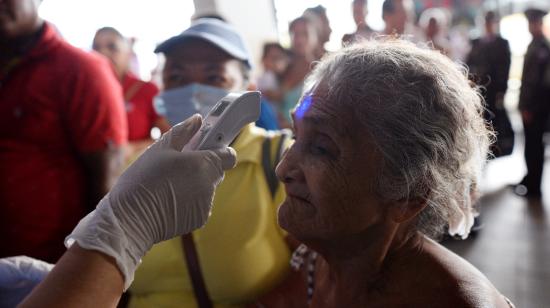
(122, 227)
(162, 124)
(81, 278)
(134, 148)
(102, 169)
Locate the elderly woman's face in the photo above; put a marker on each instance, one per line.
(327, 174)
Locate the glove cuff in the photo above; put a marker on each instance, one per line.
(100, 230)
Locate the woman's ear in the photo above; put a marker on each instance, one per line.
(406, 209)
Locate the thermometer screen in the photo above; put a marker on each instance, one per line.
(220, 108)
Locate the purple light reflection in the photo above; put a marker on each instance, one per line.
(303, 107)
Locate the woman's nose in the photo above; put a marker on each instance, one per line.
(288, 170)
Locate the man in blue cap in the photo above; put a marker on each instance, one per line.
(241, 252)
(202, 36)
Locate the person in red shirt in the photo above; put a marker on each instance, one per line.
(62, 128)
(138, 94)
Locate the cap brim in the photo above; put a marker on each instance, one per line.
(214, 40)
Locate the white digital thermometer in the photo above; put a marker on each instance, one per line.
(226, 119)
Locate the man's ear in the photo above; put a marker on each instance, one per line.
(406, 209)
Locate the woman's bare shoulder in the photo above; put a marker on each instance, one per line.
(452, 281)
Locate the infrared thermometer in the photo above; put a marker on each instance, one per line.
(225, 120)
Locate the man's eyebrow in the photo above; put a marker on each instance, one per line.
(213, 66)
(202, 66)
(177, 66)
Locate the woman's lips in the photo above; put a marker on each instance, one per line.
(299, 198)
(298, 205)
(298, 193)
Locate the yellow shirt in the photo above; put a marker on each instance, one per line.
(242, 251)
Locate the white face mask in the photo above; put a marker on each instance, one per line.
(180, 103)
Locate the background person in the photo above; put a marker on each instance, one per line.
(534, 104)
(434, 23)
(242, 252)
(303, 42)
(275, 61)
(489, 63)
(399, 17)
(62, 129)
(363, 31)
(138, 94)
(395, 16)
(319, 19)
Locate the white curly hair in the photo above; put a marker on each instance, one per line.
(425, 119)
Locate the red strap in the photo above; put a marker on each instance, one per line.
(132, 91)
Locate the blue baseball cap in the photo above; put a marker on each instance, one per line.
(216, 32)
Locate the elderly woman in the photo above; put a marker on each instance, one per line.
(389, 144)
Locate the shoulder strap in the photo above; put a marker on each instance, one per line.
(189, 249)
(194, 269)
(132, 91)
(268, 165)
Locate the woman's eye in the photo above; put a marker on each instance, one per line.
(318, 150)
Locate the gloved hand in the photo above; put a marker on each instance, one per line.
(165, 193)
(18, 276)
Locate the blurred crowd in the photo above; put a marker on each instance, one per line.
(72, 120)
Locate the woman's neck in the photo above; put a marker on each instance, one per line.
(358, 268)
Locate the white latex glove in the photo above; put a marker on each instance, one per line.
(18, 276)
(165, 193)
